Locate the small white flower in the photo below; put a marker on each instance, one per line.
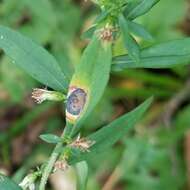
(31, 186)
(28, 182)
(40, 95)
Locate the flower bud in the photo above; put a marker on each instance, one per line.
(40, 95)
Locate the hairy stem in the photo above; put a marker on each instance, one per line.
(48, 169)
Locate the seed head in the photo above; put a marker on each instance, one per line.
(106, 33)
(83, 144)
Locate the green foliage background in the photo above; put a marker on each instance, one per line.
(153, 156)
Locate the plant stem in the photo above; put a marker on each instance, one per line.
(113, 179)
(48, 169)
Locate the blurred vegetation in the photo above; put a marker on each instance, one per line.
(156, 155)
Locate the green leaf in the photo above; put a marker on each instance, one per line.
(164, 55)
(110, 134)
(50, 138)
(138, 9)
(33, 59)
(91, 76)
(8, 184)
(82, 175)
(139, 31)
(130, 6)
(88, 33)
(102, 16)
(130, 43)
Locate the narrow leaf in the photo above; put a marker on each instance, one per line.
(110, 134)
(164, 55)
(140, 8)
(50, 138)
(88, 33)
(139, 31)
(8, 184)
(102, 16)
(130, 43)
(33, 59)
(130, 6)
(82, 175)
